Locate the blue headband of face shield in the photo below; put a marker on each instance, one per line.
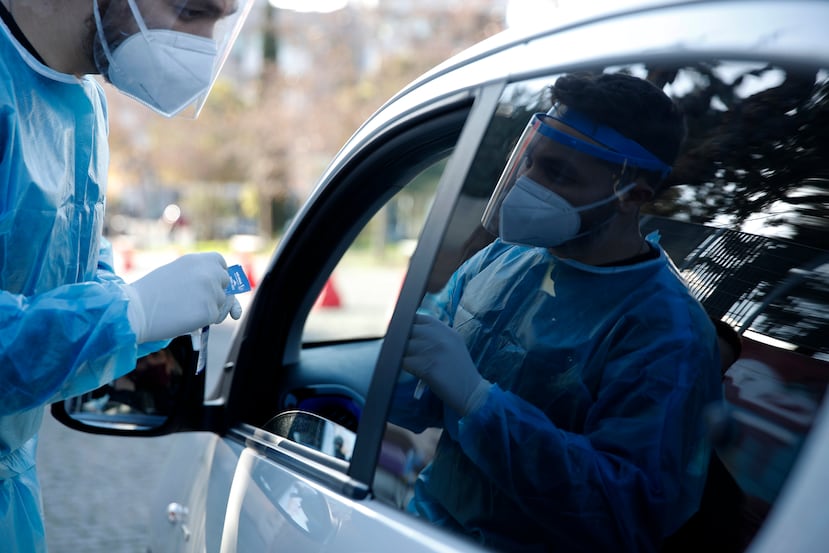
(610, 146)
(617, 148)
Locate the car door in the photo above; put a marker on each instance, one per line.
(345, 376)
(716, 222)
(309, 353)
(744, 221)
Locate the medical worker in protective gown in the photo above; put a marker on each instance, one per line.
(69, 324)
(567, 362)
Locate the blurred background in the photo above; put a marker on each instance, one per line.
(295, 87)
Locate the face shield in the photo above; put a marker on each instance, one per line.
(166, 53)
(562, 152)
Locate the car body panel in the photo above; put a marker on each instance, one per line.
(186, 482)
(798, 522)
(270, 508)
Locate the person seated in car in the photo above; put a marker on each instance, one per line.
(567, 361)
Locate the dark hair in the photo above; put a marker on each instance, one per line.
(632, 106)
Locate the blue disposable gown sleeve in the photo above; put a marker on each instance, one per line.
(106, 272)
(635, 472)
(66, 341)
(633, 476)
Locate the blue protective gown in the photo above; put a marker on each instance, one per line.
(63, 313)
(591, 438)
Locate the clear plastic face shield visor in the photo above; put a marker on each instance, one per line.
(558, 150)
(166, 53)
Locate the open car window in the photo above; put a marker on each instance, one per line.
(335, 300)
(360, 294)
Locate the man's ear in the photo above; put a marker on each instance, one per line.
(634, 198)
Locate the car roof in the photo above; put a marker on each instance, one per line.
(550, 20)
(791, 31)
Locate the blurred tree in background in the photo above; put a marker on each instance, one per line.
(296, 87)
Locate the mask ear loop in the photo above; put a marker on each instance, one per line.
(617, 192)
(139, 20)
(100, 30)
(626, 174)
(136, 15)
(616, 195)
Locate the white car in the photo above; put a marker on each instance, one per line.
(293, 450)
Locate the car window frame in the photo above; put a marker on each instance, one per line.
(272, 331)
(372, 425)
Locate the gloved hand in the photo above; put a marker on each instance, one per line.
(180, 297)
(437, 355)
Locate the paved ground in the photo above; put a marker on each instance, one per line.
(97, 489)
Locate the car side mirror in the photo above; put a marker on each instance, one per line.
(162, 394)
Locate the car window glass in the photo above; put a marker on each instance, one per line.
(742, 218)
(359, 296)
(356, 240)
(322, 406)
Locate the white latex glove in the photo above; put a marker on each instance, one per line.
(180, 297)
(437, 355)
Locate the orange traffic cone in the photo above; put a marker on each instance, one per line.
(248, 268)
(329, 297)
(128, 255)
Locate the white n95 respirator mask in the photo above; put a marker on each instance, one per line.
(534, 215)
(147, 54)
(165, 70)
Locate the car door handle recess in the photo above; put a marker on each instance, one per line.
(176, 512)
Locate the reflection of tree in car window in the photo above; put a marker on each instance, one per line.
(747, 123)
